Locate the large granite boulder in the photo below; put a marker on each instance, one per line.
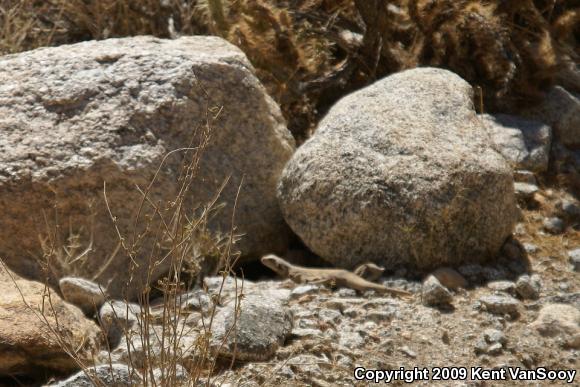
(73, 117)
(401, 172)
(37, 332)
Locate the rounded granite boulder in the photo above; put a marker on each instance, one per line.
(401, 172)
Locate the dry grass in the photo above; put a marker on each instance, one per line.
(308, 53)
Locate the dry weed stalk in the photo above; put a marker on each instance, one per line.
(182, 239)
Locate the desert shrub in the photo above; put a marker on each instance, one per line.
(309, 53)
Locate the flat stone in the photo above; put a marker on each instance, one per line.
(409, 352)
(494, 336)
(303, 290)
(501, 305)
(570, 208)
(525, 191)
(502, 286)
(531, 248)
(114, 375)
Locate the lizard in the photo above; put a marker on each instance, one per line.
(369, 271)
(337, 277)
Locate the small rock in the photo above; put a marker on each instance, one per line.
(433, 293)
(570, 208)
(303, 290)
(500, 305)
(528, 287)
(116, 317)
(197, 301)
(254, 331)
(330, 316)
(351, 340)
(83, 293)
(530, 248)
(575, 259)
(553, 225)
(115, 375)
(525, 191)
(492, 336)
(407, 351)
(346, 292)
(559, 320)
(450, 278)
(351, 312)
(495, 349)
(502, 286)
(523, 176)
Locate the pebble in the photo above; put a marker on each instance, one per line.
(494, 336)
(495, 349)
(575, 259)
(502, 286)
(303, 290)
(528, 287)
(525, 191)
(553, 225)
(530, 248)
(434, 294)
(407, 351)
(500, 305)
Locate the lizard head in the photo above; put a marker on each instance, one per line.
(276, 264)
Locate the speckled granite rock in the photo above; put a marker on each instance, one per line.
(401, 172)
(77, 115)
